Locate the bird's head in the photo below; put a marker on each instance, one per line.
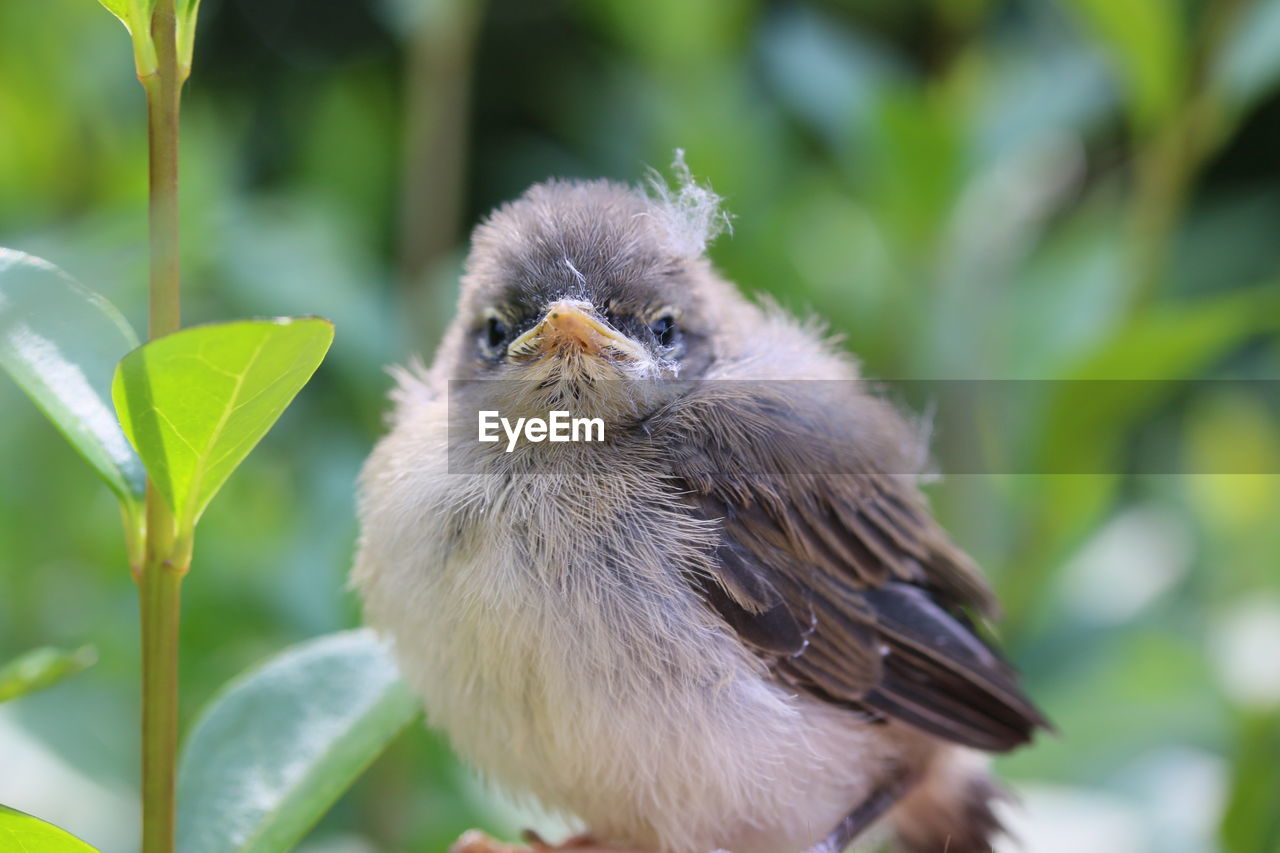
(588, 288)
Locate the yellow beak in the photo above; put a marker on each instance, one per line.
(569, 323)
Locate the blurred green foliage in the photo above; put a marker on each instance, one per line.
(1041, 189)
(41, 668)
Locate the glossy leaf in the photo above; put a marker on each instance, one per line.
(278, 747)
(41, 668)
(195, 403)
(22, 833)
(60, 342)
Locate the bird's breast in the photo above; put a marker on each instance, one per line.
(548, 627)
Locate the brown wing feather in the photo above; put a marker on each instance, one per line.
(832, 567)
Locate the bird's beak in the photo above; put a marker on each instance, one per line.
(571, 324)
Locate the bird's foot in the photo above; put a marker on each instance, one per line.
(579, 842)
(475, 841)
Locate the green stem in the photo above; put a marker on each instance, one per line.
(432, 189)
(1170, 158)
(1166, 166)
(160, 583)
(164, 89)
(160, 595)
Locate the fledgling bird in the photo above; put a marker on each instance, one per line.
(733, 624)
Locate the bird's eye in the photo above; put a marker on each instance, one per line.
(664, 330)
(495, 334)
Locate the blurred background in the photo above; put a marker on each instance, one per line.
(966, 189)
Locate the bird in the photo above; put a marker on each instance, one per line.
(733, 623)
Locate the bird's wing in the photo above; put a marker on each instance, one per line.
(830, 565)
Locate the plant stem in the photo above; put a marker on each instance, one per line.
(163, 92)
(160, 583)
(435, 145)
(1169, 159)
(1166, 167)
(160, 594)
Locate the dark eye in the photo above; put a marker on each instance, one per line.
(495, 333)
(664, 329)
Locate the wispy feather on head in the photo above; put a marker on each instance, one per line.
(689, 212)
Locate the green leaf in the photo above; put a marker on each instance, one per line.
(41, 668)
(122, 9)
(1088, 416)
(1139, 367)
(1147, 46)
(187, 11)
(269, 757)
(60, 342)
(195, 403)
(1248, 66)
(23, 833)
(136, 17)
(1251, 821)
